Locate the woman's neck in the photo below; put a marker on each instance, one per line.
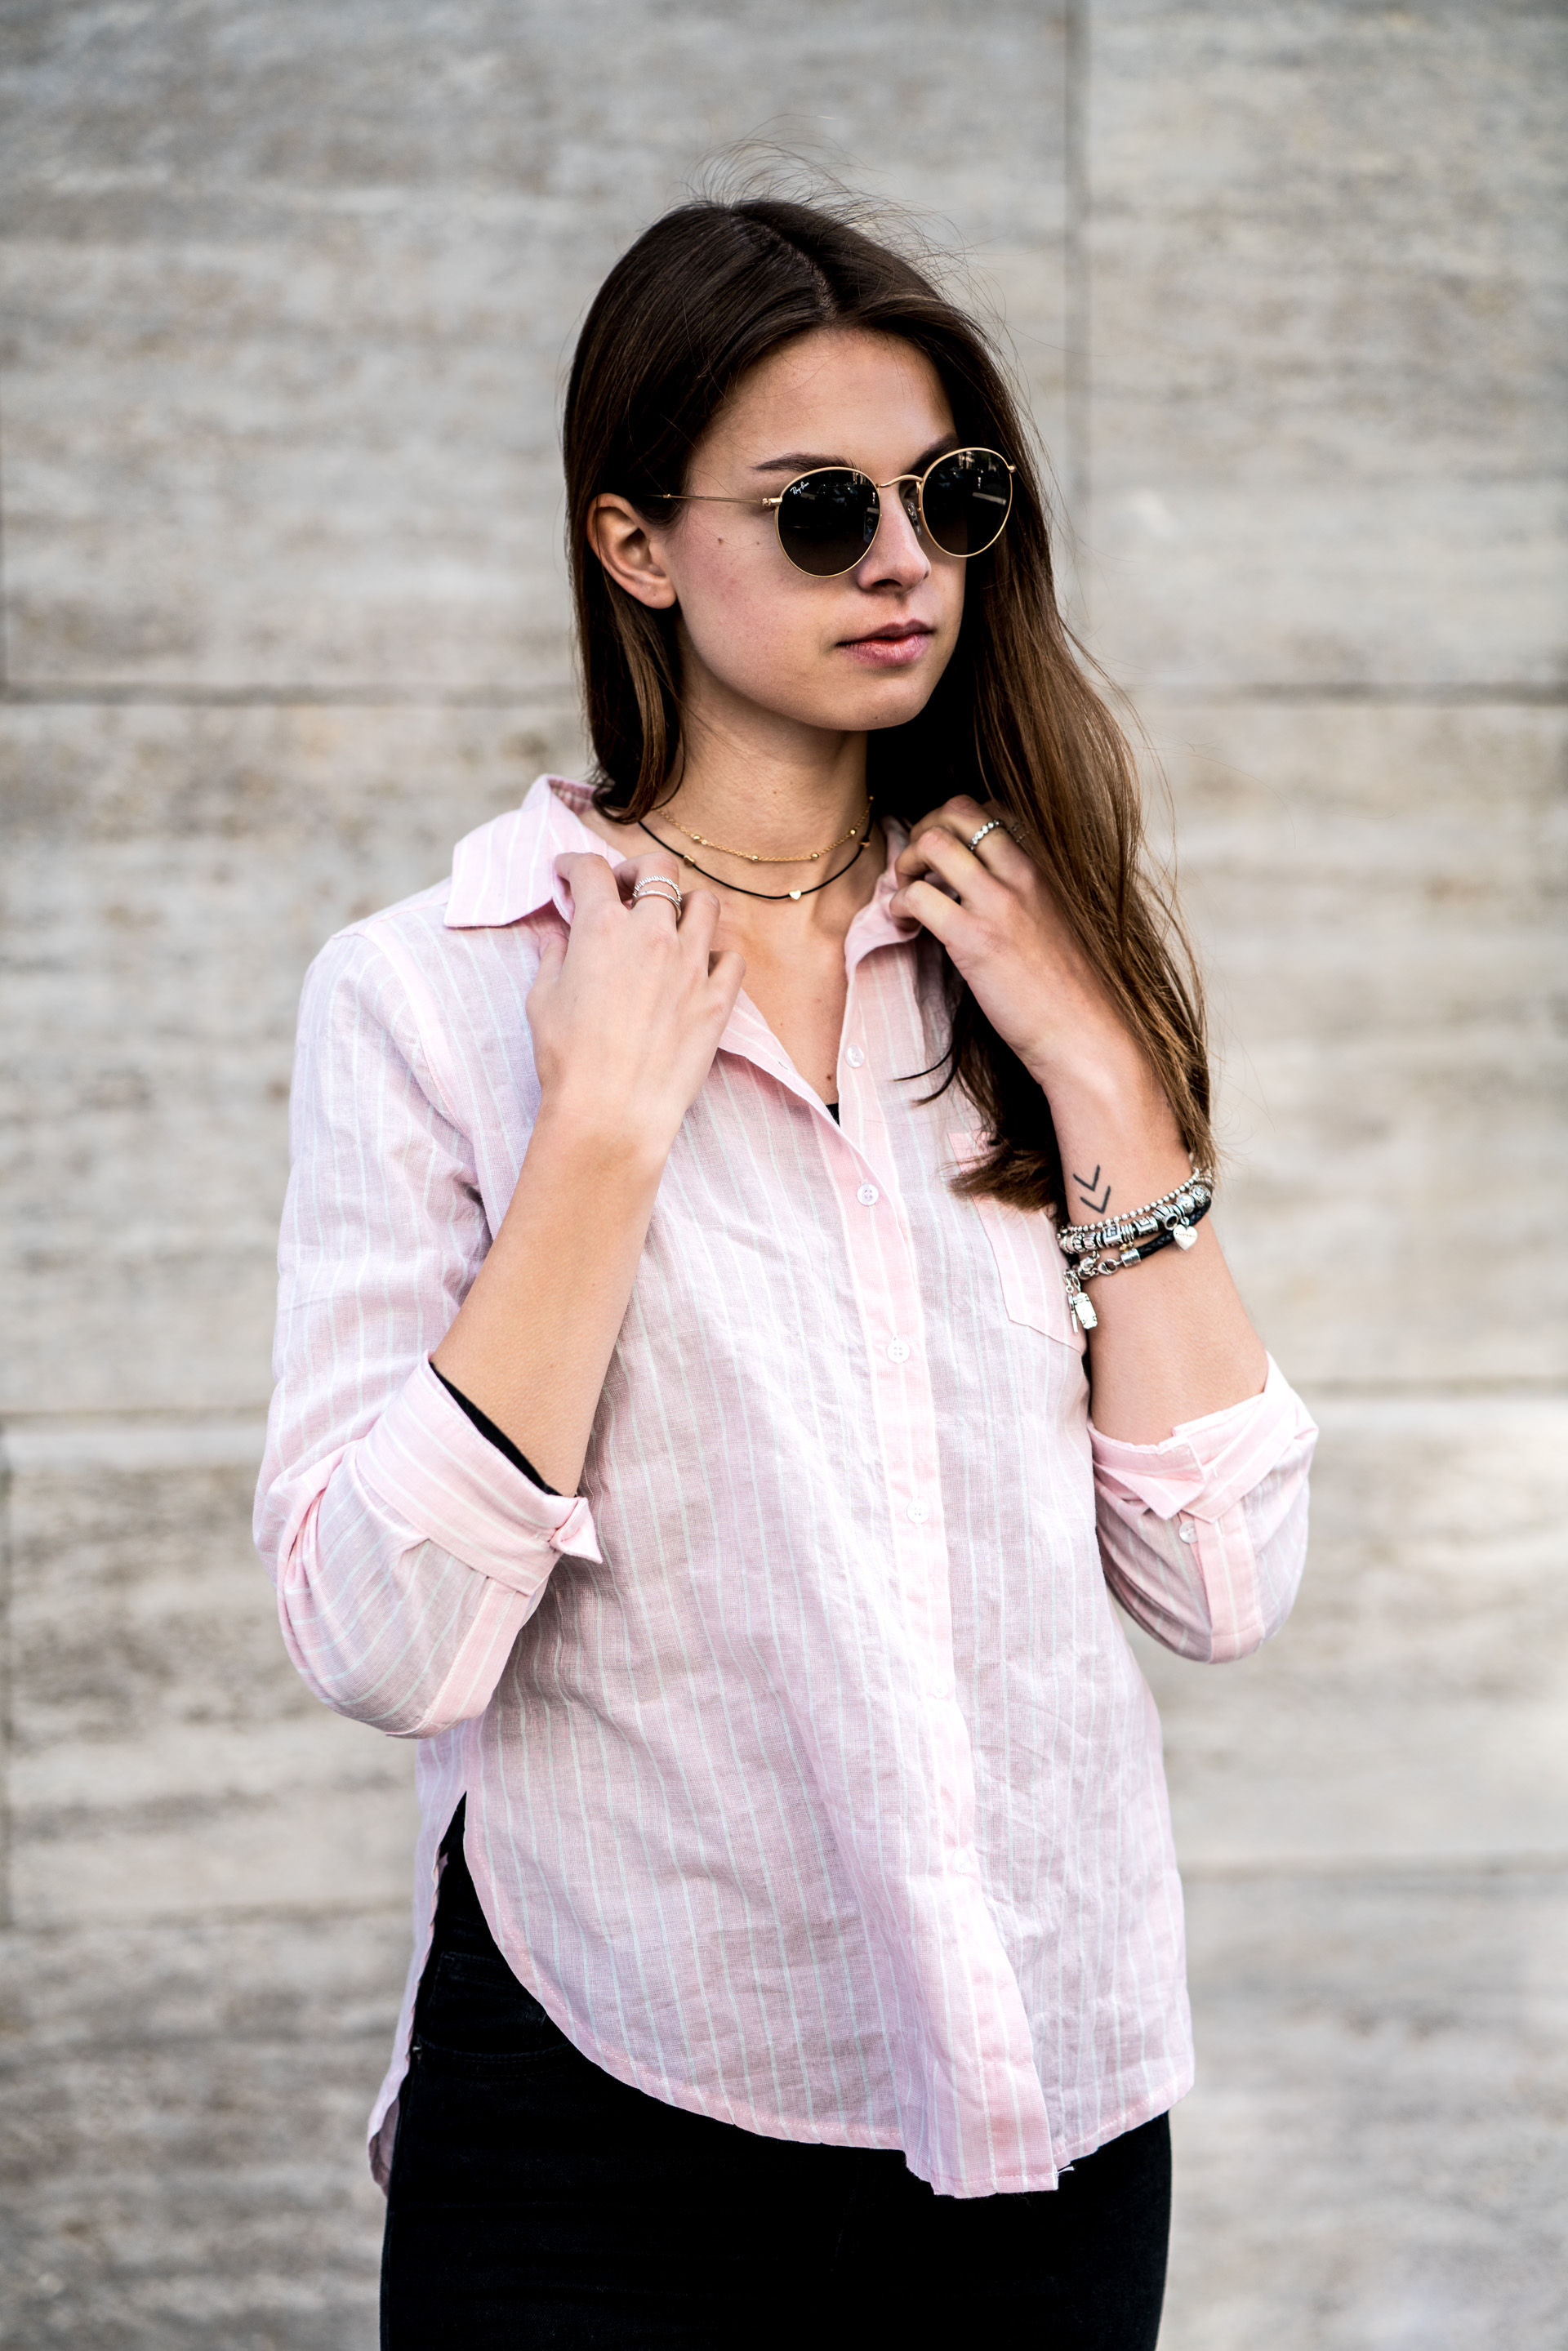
(752, 798)
(765, 794)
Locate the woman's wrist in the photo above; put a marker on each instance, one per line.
(1108, 1084)
(604, 1136)
(1120, 1143)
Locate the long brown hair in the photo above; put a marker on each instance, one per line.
(704, 295)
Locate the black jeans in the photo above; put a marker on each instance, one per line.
(535, 2200)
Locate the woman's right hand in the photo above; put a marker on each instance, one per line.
(629, 1006)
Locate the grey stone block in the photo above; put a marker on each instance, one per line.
(1374, 2152)
(292, 300)
(1380, 896)
(166, 1760)
(167, 875)
(181, 2133)
(1413, 1707)
(1328, 357)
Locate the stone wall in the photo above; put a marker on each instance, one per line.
(289, 292)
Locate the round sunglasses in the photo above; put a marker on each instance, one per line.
(827, 519)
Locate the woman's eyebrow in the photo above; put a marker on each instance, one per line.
(805, 461)
(801, 461)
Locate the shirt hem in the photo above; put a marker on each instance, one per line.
(1032, 2179)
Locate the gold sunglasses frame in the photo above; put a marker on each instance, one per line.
(916, 515)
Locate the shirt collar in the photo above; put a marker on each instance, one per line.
(505, 870)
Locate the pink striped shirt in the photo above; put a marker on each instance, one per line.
(811, 1782)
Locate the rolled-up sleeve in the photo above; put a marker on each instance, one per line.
(407, 1552)
(1204, 1536)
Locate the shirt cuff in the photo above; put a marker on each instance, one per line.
(427, 1463)
(1205, 1467)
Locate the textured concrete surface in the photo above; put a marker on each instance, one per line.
(183, 2164)
(166, 1760)
(1415, 1709)
(1377, 2158)
(289, 295)
(290, 292)
(1382, 894)
(167, 873)
(1330, 283)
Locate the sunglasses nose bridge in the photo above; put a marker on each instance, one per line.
(913, 504)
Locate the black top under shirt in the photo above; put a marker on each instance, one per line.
(497, 1437)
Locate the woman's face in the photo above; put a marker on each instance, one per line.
(849, 654)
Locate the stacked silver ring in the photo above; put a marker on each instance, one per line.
(994, 825)
(659, 885)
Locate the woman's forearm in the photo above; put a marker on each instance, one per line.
(1172, 1340)
(626, 1013)
(533, 1340)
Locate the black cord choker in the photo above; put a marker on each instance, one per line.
(773, 897)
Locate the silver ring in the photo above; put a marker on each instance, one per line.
(994, 825)
(659, 885)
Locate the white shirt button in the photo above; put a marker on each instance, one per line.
(868, 1195)
(898, 1351)
(1187, 1531)
(855, 1057)
(919, 1512)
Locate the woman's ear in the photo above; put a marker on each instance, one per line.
(619, 537)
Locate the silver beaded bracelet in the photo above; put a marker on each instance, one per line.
(1123, 1242)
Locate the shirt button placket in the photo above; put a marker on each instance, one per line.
(868, 1195)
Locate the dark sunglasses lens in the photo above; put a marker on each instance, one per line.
(966, 500)
(827, 520)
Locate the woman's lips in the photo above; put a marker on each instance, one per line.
(895, 647)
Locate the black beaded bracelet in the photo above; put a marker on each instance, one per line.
(1173, 1207)
(1174, 1226)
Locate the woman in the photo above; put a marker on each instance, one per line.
(683, 1421)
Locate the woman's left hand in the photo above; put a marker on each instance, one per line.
(1004, 931)
(1174, 1340)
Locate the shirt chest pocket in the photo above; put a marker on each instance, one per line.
(1028, 1263)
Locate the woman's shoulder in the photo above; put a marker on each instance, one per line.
(422, 955)
(502, 874)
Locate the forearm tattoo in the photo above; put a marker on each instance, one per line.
(1086, 1191)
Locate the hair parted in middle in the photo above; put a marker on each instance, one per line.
(705, 293)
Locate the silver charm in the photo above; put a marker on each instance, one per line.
(1087, 1318)
(1183, 1236)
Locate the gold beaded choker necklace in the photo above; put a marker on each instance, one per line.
(755, 856)
(858, 833)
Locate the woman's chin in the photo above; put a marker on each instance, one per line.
(862, 701)
(892, 700)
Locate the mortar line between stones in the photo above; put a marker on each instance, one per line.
(235, 1434)
(157, 1415)
(1501, 694)
(174, 695)
(1398, 1873)
(1374, 1868)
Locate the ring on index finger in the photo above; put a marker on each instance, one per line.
(659, 885)
(993, 824)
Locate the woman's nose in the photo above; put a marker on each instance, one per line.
(896, 552)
